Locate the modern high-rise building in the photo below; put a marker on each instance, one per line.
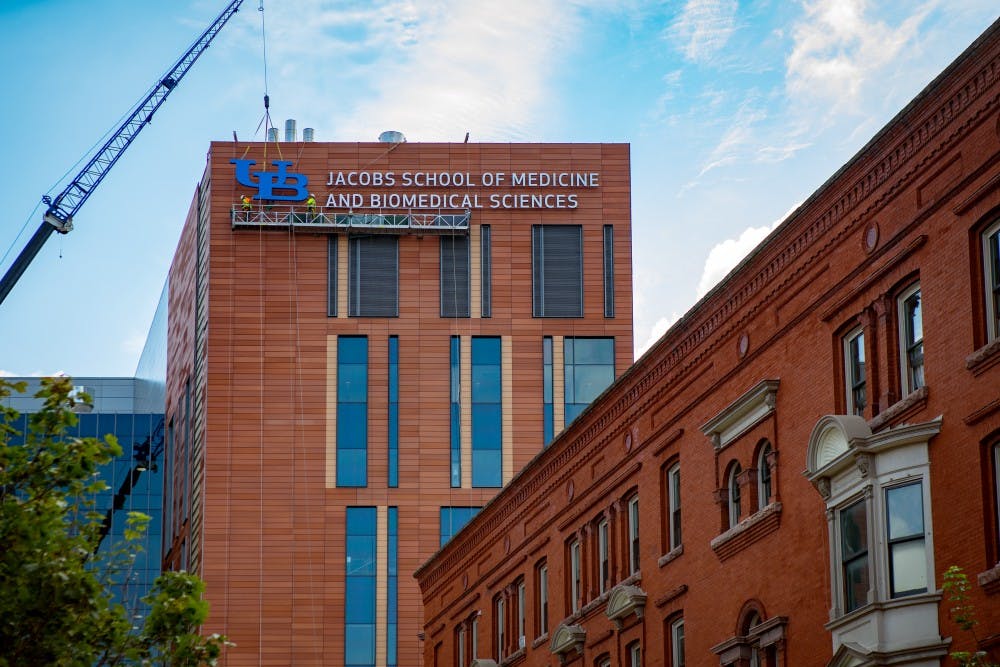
(349, 383)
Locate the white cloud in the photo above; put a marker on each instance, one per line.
(7, 374)
(432, 70)
(838, 49)
(724, 256)
(656, 332)
(704, 27)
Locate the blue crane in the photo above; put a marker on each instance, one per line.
(61, 209)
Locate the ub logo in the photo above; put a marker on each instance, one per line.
(267, 182)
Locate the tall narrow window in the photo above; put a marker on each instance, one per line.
(912, 334)
(392, 593)
(486, 270)
(633, 534)
(454, 276)
(574, 576)
(548, 418)
(589, 369)
(456, 411)
(487, 413)
(360, 590)
(609, 271)
(854, 372)
(764, 491)
(677, 643)
(557, 270)
(352, 411)
(373, 284)
(735, 501)
(498, 628)
(542, 596)
(393, 411)
(991, 272)
(634, 655)
(905, 523)
(331, 272)
(460, 645)
(674, 505)
(521, 611)
(603, 555)
(854, 555)
(996, 494)
(475, 638)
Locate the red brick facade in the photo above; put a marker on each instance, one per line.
(734, 396)
(255, 506)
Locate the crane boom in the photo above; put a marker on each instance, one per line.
(61, 209)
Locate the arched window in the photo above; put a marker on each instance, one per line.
(734, 494)
(764, 485)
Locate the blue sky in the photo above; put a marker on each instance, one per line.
(735, 111)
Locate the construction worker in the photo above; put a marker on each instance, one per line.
(247, 204)
(311, 204)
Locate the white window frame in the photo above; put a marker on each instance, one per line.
(603, 556)
(765, 480)
(520, 614)
(990, 265)
(675, 536)
(633, 535)
(870, 553)
(461, 645)
(916, 537)
(907, 382)
(574, 574)
(734, 495)
(498, 623)
(677, 643)
(635, 654)
(543, 599)
(996, 493)
(850, 382)
(475, 637)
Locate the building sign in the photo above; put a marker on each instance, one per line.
(278, 185)
(540, 189)
(488, 190)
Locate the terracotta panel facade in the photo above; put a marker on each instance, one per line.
(255, 344)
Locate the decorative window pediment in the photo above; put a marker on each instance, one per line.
(568, 638)
(743, 413)
(832, 437)
(625, 600)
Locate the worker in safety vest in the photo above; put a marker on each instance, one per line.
(246, 202)
(311, 204)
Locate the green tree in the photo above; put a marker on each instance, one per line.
(56, 607)
(963, 612)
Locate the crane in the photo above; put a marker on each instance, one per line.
(60, 209)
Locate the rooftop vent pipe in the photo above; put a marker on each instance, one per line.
(290, 129)
(307, 133)
(391, 137)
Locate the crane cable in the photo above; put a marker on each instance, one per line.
(265, 120)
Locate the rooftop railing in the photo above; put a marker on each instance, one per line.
(284, 217)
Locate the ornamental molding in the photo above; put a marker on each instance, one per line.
(568, 638)
(742, 414)
(624, 601)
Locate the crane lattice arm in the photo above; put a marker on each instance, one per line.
(61, 209)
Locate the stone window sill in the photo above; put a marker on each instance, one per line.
(748, 531)
(984, 358)
(902, 408)
(514, 658)
(544, 637)
(670, 555)
(990, 580)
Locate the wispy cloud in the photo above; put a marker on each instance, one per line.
(703, 28)
(433, 70)
(838, 48)
(724, 256)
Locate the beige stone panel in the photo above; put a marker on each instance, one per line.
(558, 386)
(507, 424)
(381, 584)
(342, 245)
(331, 411)
(466, 398)
(475, 272)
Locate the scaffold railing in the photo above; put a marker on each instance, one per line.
(285, 217)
